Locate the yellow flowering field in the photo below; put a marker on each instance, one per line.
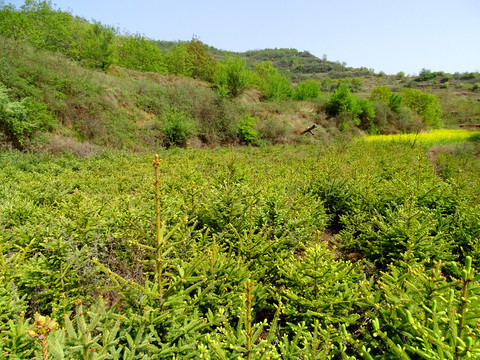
(433, 137)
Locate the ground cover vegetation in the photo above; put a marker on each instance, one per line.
(352, 250)
(332, 246)
(68, 84)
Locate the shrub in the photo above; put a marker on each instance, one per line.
(424, 104)
(247, 132)
(365, 114)
(273, 85)
(426, 75)
(178, 128)
(395, 102)
(307, 90)
(273, 130)
(340, 102)
(232, 77)
(381, 94)
(136, 52)
(14, 120)
(277, 87)
(216, 117)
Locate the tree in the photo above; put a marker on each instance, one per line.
(273, 85)
(341, 101)
(307, 90)
(204, 65)
(192, 59)
(177, 61)
(139, 53)
(424, 104)
(233, 76)
(98, 51)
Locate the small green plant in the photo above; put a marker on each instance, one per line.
(177, 129)
(14, 120)
(247, 132)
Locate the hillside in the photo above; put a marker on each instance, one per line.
(295, 65)
(67, 84)
(294, 208)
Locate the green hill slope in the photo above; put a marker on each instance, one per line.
(70, 84)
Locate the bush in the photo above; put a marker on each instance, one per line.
(274, 131)
(426, 105)
(273, 85)
(307, 90)
(14, 120)
(365, 114)
(178, 128)
(277, 87)
(247, 132)
(381, 94)
(340, 102)
(136, 52)
(232, 77)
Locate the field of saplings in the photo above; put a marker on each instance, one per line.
(353, 250)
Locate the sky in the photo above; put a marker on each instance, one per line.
(383, 35)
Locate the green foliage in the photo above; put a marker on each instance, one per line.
(248, 252)
(247, 132)
(316, 286)
(96, 46)
(348, 109)
(177, 129)
(385, 95)
(426, 317)
(426, 105)
(365, 113)
(341, 102)
(177, 61)
(277, 87)
(139, 53)
(381, 94)
(204, 65)
(306, 90)
(20, 119)
(192, 59)
(233, 77)
(273, 85)
(426, 75)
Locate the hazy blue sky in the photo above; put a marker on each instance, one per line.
(386, 35)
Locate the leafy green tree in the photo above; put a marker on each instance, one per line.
(341, 101)
(13, 23)
(365, 113)
(424, 104)
(233, 77)
(427, 74)
(177, 61)
(204, 66)
(277, 87)
(273, 85)
(385, 95)
(139, 53)
(98, 47)
(307, 90)
(263, 71)
(381, 94)
(192, 59)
